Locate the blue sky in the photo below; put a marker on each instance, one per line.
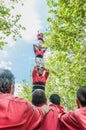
(19, 56)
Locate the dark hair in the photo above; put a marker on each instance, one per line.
(55, 99)
(81, 95)
(38, 97)
(6, 80)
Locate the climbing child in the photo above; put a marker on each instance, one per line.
(40, 37)
(39, 52)
(39, 77)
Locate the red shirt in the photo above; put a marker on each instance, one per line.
(60, 108)
(18, 114)
(50, 121)
(75, 120)
(40, 36)
(39, 52)
(37, 78)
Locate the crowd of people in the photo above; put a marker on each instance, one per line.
(18, 114)
(41, 113)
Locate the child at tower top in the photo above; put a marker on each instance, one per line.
(40, 36)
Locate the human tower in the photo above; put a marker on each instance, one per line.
(39, 73)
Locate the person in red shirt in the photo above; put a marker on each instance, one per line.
(39, 77)
(17, 113)
(55, 99)
(40, 37)
(39, 52)
(50, 121)
(76, 119)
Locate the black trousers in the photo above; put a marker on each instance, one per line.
(38, 87)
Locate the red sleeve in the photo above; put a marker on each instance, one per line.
(35, 50)
(34, 73)
(34, 116)
(68, 121)
(46, 74)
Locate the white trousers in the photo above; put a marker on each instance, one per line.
(39, 61)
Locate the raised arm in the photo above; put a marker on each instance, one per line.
(46, 73)
(34, 73)
(35, 48)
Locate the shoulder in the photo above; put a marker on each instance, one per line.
(80, 112)
(18, 99)
(75, 114)
(19, 102)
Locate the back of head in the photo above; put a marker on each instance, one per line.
(38, 97)
(55, 99)
(81, 95)
(6, 80)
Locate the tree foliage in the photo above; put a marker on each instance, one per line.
(66, 38)
(26, 93)
(9, 23)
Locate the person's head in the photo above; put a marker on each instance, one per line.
(81, 97)
(55, 99)
(39, 97)
(40, 34)
(40, 70)
(7, 81)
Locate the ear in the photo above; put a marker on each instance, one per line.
(78, 103)
(12, 89)
(46, 102)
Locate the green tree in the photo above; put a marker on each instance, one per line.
(66, 38)
(9, 24)
(26, 92)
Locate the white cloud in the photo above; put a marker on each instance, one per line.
(6, 65)
(30, 19)
(3, 53)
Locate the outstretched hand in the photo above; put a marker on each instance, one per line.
(45, 109)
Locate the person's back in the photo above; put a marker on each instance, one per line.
(50, 121)
(17, 114)
(76, 119)
(55, 99)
